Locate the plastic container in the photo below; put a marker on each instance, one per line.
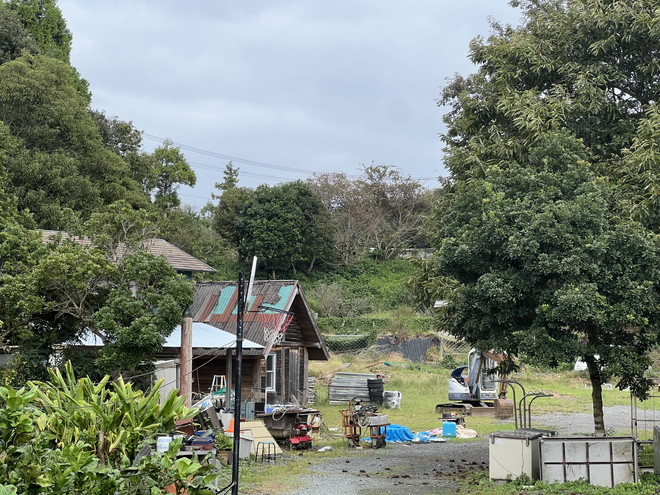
(392, 399)
(163, 443)
(449, 429)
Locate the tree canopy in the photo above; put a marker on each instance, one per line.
(548, 271)
(549, 220)
(284, 226)
(589, 66)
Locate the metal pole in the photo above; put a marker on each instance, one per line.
(186, 359)
(240, 309)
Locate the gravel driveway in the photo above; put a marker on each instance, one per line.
(429, 468)
(398, 469)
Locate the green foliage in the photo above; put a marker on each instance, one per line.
(13, 36)
(480, 484)
(70, 435)
(223, 442)
(43, 19)
(587, 66)
(169, 168)
(146, 303)
(69, 290)
(336, 299)
(546, 268)
(226, 214)
(193, 233)
(285, 226)
(413, 325)
(40, 104)
(114, 421)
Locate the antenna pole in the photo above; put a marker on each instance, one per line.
(240, 309)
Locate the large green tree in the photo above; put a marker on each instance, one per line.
(43, 20)
(590, 66)
(548, 271)
(285, 226)
(60, 163)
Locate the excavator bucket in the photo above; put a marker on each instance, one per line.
(503, 408)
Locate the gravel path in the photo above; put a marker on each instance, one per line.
(429, 468)
(398, 469)
(574, 424)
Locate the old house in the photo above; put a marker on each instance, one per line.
(281, 375)
(178, 259)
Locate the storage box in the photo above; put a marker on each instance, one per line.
(449, 429)
(603, 461)
(514, 453)
(378, 420)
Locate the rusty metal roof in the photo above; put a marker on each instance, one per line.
(215, 304)
(178, 259)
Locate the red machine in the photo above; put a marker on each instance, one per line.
(301, 440)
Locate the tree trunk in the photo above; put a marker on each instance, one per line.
(310, 267)
(596, 395)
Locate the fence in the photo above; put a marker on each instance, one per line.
(438, 348)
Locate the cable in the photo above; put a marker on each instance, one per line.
(230, 157)
(247, 161)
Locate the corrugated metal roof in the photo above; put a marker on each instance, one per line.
(178, 259)
(203, 337)
(215, 304)
(208, 337)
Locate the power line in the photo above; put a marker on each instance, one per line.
(247, 161)
(230, 157)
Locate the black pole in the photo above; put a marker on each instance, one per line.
(240, 308)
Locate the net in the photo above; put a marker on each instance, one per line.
(275, 326)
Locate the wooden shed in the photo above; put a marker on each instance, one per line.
(282, 376)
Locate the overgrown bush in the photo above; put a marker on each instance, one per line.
(73, 436)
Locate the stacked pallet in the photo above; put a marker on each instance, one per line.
(347, 386)
(311, 391)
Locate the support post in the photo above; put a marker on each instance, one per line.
(185, 389)
(229, 372)
(240, 309)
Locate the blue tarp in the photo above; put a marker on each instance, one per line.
(398, 433)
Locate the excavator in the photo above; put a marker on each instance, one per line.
(475, 388)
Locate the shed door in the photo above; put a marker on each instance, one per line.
(294, 389)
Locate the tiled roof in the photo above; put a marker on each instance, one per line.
(178, 259)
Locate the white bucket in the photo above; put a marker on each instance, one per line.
(163, 443)
(392, 399)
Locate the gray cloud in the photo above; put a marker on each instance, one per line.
(317, 86)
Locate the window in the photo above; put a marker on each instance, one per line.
(271, 366)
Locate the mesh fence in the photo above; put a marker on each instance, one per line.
(349, 343)
(438, 348)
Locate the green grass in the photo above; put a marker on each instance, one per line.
(478, 483)
(422, 387)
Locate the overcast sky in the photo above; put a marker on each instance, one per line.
(283, 88)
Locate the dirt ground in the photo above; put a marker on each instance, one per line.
(397, 469)
(426, 468)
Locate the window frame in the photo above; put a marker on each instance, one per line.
(271, 371)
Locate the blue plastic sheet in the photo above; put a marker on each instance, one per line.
(422, 437)
(398, 433)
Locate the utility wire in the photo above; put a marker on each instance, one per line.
(247, 161)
